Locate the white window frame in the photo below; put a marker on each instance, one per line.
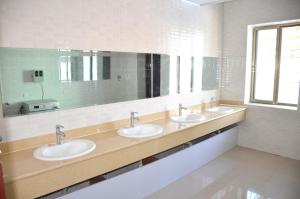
(251, 59)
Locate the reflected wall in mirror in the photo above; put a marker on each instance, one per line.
(39, 80)
(210, 73)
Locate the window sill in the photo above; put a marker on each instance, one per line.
(272, 106)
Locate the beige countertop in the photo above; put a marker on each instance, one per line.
(27, 177)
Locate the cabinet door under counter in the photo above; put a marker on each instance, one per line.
(145, 180)
(2, 193)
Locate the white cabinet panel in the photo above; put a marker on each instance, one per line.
(141, 182)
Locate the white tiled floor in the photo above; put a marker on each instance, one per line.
(239, 174)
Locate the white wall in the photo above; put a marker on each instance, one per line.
(268, 129)
(169, 26)
(119, 25)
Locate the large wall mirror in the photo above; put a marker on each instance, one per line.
(211, 73)
(39, 80)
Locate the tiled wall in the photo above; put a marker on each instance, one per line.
(169, 26)
(272, 130)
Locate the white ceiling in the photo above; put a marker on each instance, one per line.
(205, 2)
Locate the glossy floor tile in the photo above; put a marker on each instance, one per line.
(239, 174)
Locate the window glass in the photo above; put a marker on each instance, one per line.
(106, 67)
(95, 67)
(265, 64)
(65, 68)
(289, 75)
(86, 68)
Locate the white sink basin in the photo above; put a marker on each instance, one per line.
(140, 131)
(221, 109)
(66, 150)
(188, 118)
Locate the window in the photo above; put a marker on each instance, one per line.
(90, 67)
(276, 65)
(65, 68)
(78, 68)
(106, 68)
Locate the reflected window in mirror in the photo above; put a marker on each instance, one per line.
(86, 68)
(192, 74)
(106, 68)
(185, 74)
(178, 73)
(65, 68)
(78, 66)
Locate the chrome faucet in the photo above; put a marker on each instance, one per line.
(133, 118)
(59, 133)
(180, 108)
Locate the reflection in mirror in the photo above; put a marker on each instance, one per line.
(210, 73)
(35, 80)
(188, 74)
(78, 66)
(185, 74)
(192, 73)
(39, 80)
(178, 73)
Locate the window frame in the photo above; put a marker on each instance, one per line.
(278, 27)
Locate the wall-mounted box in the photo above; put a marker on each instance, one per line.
(38, 76)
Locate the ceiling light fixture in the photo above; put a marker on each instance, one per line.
(204, 2)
